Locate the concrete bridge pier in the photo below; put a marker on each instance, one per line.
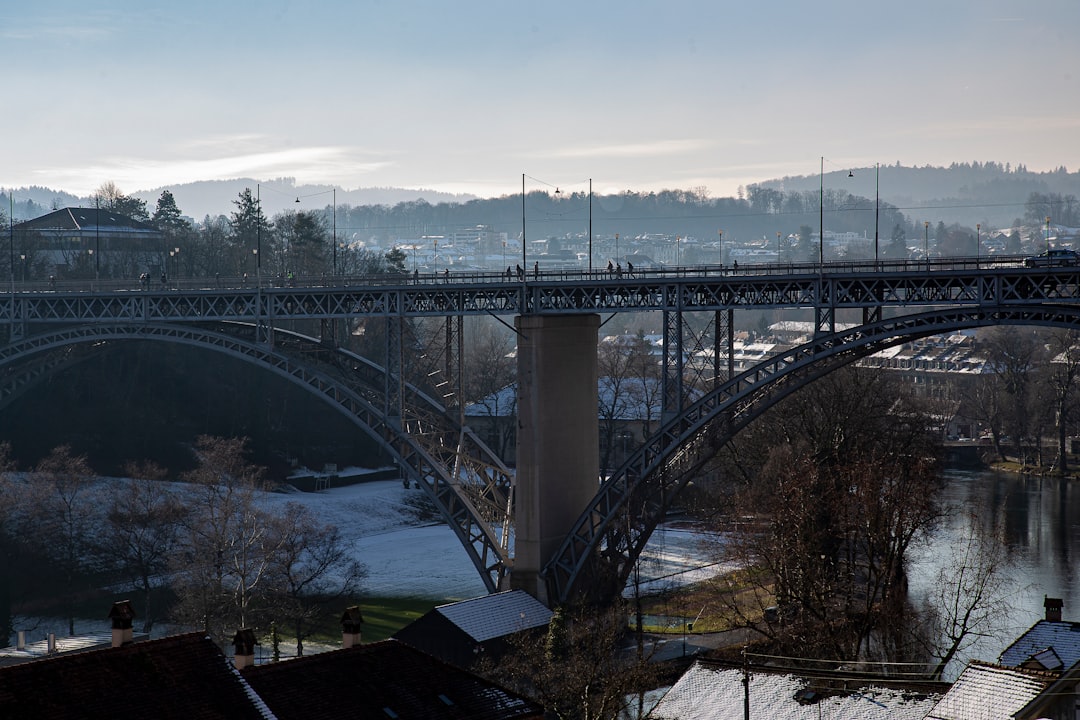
(558, 436)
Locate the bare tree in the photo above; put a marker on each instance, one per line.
(10, 547)
(844, 480)
(1013, 355)
(579, 669)
(224, 544)
(141, 532)
(1060, 377)
(629, 390)
(65, 516)
(970, 596)
(311, 568)
(489, 371)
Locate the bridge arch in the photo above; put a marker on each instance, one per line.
(597, 556)
(467, 483)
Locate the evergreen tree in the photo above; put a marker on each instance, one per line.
(250, 229)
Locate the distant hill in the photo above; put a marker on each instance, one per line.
(215, 197)
(967, 193)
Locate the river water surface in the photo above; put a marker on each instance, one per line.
(1037, 520)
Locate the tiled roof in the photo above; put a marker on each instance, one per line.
(711, 692)
(184, 676)
(387, 679)
(496, 615)
(1062, 637)
(990, 691)
(85, 219)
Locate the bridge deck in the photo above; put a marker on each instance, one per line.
(832, 286)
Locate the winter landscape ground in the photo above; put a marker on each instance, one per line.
(409, 553)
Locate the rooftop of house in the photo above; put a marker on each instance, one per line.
(183, 676)
(387, 679)
(984, 690)
(79, 219)
(711, 691)
(1060, 636)
(496, 615)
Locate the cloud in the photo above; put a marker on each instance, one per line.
(634, 150)
(307, 164)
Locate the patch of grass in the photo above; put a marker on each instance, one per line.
(385, 616)
(708, 604)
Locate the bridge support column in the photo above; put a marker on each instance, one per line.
(558, 438)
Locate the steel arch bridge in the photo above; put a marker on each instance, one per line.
(48, 330)
(468, 484)
(597, 556)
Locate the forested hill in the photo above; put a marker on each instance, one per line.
(967, 193)
(991, 194)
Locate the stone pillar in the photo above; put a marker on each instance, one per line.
(558, 438)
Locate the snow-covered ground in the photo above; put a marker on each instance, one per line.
(408, 558)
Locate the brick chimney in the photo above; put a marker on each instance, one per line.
(1053, 608)
(244, 643)
(350, 626)
(121, 615)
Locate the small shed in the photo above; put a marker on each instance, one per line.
(463, 632)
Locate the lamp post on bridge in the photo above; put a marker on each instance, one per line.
(1048, 234)
(978, 242)
(926, 242)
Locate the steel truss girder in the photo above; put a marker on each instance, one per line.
(609, 536)
(836, 288)
(472, 494)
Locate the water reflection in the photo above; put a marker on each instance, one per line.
(1038, 520)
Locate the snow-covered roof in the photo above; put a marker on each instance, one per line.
(496, 615)
(709, 692)
(1060, 636)
(990, 691)
(627, 398)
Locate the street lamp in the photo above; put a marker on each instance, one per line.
(821, 217)
(1048, 234)
(978, 242)
(258, 267)
(590, 226)
(11, 241)
(926, 242)
(177, 251)
(720, 236)
(335, 231)
(877, 207)
(22, 256)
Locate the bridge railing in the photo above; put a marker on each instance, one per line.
(476, 276)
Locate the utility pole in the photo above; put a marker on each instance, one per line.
(746, 684)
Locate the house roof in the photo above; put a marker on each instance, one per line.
(628, 398)
(708, 691)
(78, 219)
(387, 679)
(183, 676)
(1062, 637)
(496, 615)
(990, 691)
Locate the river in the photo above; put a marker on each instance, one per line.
(1037, 520)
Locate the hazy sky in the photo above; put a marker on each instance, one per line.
(467, 96)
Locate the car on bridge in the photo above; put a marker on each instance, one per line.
(1059, 257)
